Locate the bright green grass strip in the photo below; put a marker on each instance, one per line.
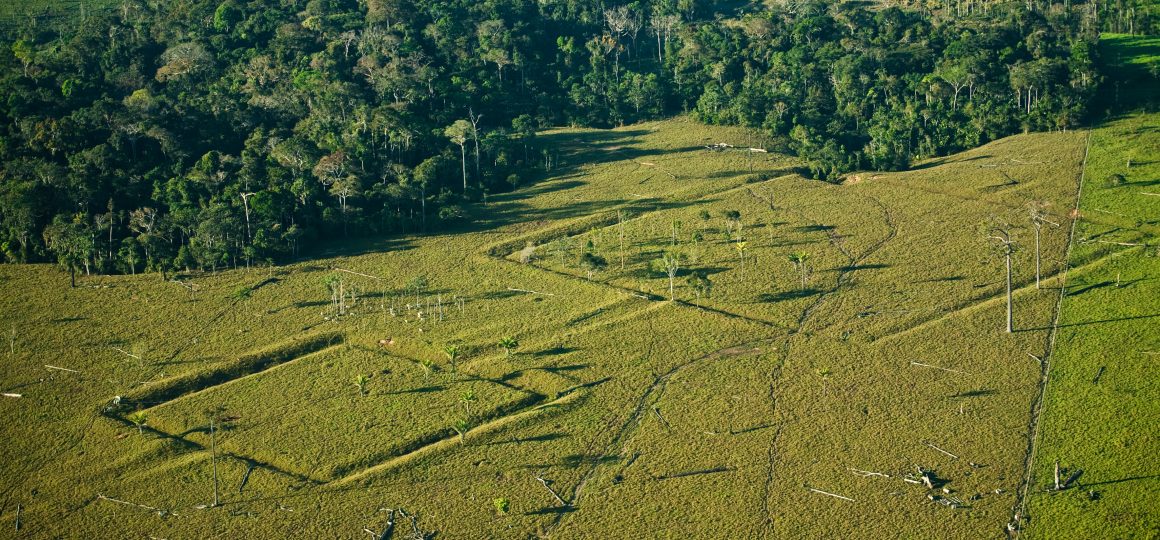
(1101, 408)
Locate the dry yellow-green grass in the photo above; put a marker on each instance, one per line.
(708, 417)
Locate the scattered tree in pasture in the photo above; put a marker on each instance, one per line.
(467, 399)
(502, 505)
(337, 288)
(824, 373)
(592, 263)
(461, 427)
(217, 417)
(508, 344)
(527, 254)
(741, 252)
(670, 264)
(139, 418)
(800, 261)
(700, 283)
(452, 352)
(621, 237)
(428, 367)
(1001, 235)
(732, 219)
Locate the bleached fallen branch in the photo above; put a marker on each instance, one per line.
(941, 450)
(126, 353)
(865, 474)
(835, 495)
(127, 503)
(1036, 358)
(550, 490)
(913, 363)
(1150, 193)
(61, 369)
(6, 394)
(531, 292)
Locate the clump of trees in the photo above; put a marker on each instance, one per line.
(212, 134)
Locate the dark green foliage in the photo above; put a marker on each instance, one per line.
(223, 133)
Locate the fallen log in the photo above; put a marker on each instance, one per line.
(866, 474)
(941, 450)
(61, 369)
(835, 495)
(550, 490)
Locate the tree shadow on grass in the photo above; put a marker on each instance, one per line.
(420, 390)
(942, 279)
(1128, 479)
(975, 393)
(855, 267)
(551, 510)
(557, 351)
(787, 295)
(1089, 323)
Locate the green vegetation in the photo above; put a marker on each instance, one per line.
(506, 331)
(620, 401)
(1091, 472)
(1100, 412)
(211, 134)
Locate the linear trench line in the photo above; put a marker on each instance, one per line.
(1020, 508)
(451, 441)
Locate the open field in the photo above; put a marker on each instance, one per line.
(1100, 413)
(716, 416)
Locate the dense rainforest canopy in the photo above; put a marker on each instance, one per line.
(208, 133)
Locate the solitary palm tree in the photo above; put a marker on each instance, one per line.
(508, 344)
(361, 382)
(452, 352)
(799, 260)
(461, 427)
(467, 399)
(138, 418)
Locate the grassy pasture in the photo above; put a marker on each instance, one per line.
(1100, 411)
(710, 417)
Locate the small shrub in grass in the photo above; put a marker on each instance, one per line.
(502, 505)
